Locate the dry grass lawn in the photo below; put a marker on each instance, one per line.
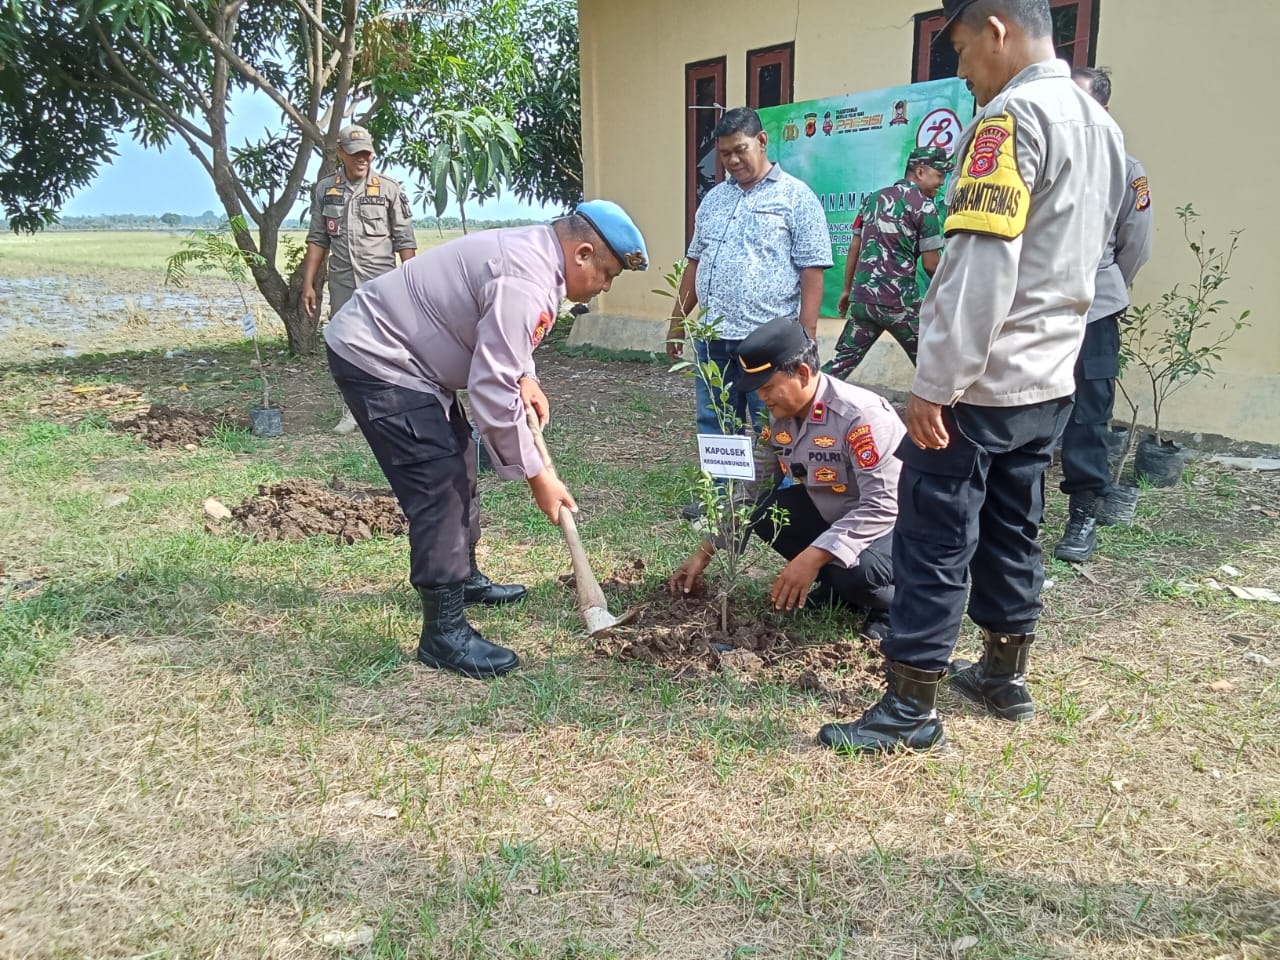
(211, 747)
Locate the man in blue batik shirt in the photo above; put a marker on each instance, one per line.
(760, 244)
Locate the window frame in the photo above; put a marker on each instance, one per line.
(927, 24)
(715, 68)
(782, 54)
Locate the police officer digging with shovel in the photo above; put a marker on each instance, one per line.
(468, 315)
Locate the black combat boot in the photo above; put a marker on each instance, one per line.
(450, 643)
(904, 719)
(479, 589)
(1081, 536)
(998, 680)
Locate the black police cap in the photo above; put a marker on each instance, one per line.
(769, 345)
(951, 9)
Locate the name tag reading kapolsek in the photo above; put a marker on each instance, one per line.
(726, 457)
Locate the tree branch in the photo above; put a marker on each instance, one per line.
(317, 23)
(136, 90)
(248, 71)
(346, 63)
(195, 96)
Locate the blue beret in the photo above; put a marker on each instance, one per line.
(618, 231)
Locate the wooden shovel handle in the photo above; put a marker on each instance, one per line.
(589, 592)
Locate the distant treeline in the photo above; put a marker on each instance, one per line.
(212, 221)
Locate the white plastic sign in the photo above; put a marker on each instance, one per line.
(726, 457)
(248, 326)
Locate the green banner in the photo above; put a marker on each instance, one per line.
(849, 146)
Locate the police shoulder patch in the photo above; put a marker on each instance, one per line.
(1143, 191)
(544, 324)
(990, 197)
(819, 414)
(862, 443)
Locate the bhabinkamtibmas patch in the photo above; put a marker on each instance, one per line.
(990, 197)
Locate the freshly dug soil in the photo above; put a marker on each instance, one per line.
(164, 426)
(297, 509)
(683, 635)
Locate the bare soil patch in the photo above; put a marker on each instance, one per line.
(300, 508)
(164, 426)
(684, 635)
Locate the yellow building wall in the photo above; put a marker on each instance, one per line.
(1194, 92)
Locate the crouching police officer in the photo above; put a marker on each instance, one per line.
(834, 440)
(468, 314)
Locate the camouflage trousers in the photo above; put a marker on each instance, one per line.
(865, 324)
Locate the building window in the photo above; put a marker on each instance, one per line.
(769, 76)
(704, 96)
(1075, 34)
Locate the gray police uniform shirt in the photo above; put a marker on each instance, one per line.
(842, 453)
(466, 314)
(1128, 247)
(1029, 212)
(751, 246)
(363, 225)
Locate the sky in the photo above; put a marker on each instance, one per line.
(147, 181)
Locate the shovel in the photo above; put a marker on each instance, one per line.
(591, 602)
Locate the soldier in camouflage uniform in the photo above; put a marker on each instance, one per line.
(896, 227)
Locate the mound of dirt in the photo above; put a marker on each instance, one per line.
(683, 635)
(297, 509)
(164, 426)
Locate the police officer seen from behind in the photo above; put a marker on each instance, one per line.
(895, 228)
(468, 315)
(1038, 187)
(1085, 476)
(362, 220)
(835, 441)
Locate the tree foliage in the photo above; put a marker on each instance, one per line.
(56, 126)
(548, 114)
(472, 155)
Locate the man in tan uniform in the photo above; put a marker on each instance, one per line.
(834, 441)
(1040, 184)
(362, 220)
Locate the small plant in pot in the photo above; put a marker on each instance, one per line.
(1174, 340)
(213, 251)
